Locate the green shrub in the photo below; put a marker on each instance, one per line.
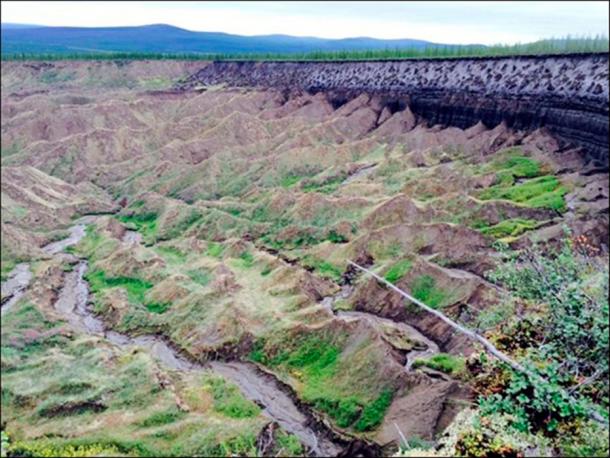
(145, 223)
(571, 344)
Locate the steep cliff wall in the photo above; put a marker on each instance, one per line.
(567, 94)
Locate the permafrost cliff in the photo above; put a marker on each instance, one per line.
(568, 94)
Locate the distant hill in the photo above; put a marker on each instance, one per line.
(18, 38)
(11, 25)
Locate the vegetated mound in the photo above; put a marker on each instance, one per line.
(236, 210)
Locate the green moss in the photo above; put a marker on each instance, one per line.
(510, 228)
(163, 418)
(315, 361)
(519, 167)
(372, 414)
(158, 307)
(424, 289)
(287, 445)
(335, 237)
(136, 289)
(452, 365)
(542, 192)
(228, 400)
(247, 259)
(289, 181)
(199, 276)
(266, 270)
(145, 223)
(171, 254)
(215, 249)
(323, 268)
(328, 186)
(398, 270)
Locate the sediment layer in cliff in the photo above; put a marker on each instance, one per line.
(568, 94)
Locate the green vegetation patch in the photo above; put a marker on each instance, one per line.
(247, 259)
(542, 192)
(323, 268)
(449, 364)
(398, 270)
(228, 400)
(510, 228)
(171, 254)
(145, 223)
(136, 289)
(215, 249)
(199, 276)
(516, 167)
(163, 418)
(315, 361)
(424, 288)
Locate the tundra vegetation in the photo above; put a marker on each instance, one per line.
(244, 208)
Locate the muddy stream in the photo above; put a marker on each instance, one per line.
(256, 385)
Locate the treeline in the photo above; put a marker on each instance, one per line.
(567, 45)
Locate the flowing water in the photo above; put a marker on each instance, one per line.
(259, 387)
(14, 287)
(255, 385)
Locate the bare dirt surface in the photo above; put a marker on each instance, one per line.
(227, 212)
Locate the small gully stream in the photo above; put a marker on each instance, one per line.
(257, 386)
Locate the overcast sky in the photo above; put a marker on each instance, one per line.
(441, 22)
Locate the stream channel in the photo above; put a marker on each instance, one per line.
(255, 385)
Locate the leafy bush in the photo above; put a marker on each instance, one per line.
(570, 347)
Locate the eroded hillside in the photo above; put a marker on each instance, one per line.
(225, 220)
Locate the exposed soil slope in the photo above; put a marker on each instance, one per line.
(233, 212)
(568, 94)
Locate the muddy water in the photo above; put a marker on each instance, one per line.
(77, 232)
(14, 287)
(264, 390)
(259, 387)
